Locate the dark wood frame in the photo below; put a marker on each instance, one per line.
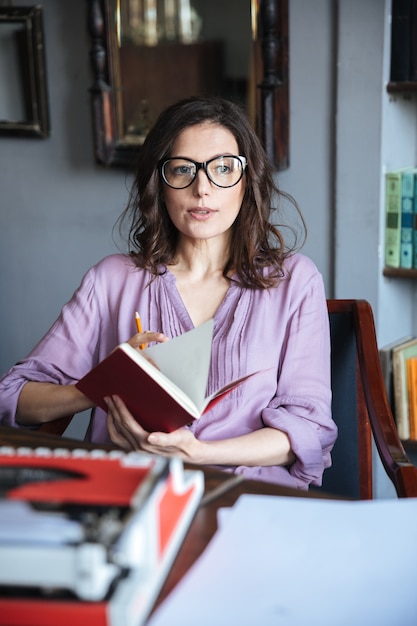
(272, 114)
(374, 413)
(33, 73)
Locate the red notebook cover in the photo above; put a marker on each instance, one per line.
(151, 405)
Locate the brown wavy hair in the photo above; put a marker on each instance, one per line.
(258, 248)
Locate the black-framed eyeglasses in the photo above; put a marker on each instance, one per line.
(222, 171)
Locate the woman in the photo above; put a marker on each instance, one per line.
(202, 247)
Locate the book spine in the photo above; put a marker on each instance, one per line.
(411, 368)
(400, 403)
(393, 218)
(407, 205)
(400, 40)
(413, 41)
(415, 224)
(385, 357)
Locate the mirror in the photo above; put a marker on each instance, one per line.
(147, 54)
(23, 97)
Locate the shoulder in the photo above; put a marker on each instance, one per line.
(116, 267)
(300, 273)
(304, 283)
(299, 264)
(301, 281)
(114, 273)
(113, 283)
(297, 269)
(114, 263)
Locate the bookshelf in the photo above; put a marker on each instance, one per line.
(403, 77)
(399, 272)
(402, 87)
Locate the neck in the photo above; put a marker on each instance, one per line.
(201, 257)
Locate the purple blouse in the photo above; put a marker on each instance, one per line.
(283, 330)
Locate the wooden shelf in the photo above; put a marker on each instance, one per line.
(399, 272)
(402, 87)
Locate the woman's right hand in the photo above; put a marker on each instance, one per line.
(141, 340)
(43, 402)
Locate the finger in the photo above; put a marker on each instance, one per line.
(181, 443)
(160, 439)
(120, 424)
(175, 439)
(116, 437)
(141, 340)
(120, 435)
(164, 443)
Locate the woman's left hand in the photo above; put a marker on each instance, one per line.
(126, 433)
(262, 447)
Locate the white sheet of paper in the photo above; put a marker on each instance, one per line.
(303, 562)
(186, 360)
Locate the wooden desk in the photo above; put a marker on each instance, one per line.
(204, 524)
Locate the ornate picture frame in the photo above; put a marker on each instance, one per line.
(114, 147)
(24, 101)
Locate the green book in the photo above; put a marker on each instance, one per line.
(407, 202)
(393, 197)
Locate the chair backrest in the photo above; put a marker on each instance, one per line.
(361, 408)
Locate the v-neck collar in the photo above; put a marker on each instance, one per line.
(182, 311)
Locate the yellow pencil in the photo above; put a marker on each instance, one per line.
(139, 328)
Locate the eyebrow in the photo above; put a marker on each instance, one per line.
(217, 156)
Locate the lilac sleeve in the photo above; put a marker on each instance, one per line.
(302, 405)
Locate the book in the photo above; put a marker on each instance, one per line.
(385, 357)
(413, 41)
(415, 224)
(168, 392)
(411, 368)
(399, 357)
(393, 218)
(407, 206)
(400, 41)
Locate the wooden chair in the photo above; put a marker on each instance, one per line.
(360, 409)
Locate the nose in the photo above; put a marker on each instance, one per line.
(201, 183)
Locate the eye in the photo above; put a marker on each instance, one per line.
(183, 170)
(222, 168)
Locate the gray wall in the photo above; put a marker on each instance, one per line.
(57, 208)
(310, 177)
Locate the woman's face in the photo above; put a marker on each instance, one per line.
(202, 210)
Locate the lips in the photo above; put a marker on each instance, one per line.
(200, 213)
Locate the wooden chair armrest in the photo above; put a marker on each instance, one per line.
(393, 456)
